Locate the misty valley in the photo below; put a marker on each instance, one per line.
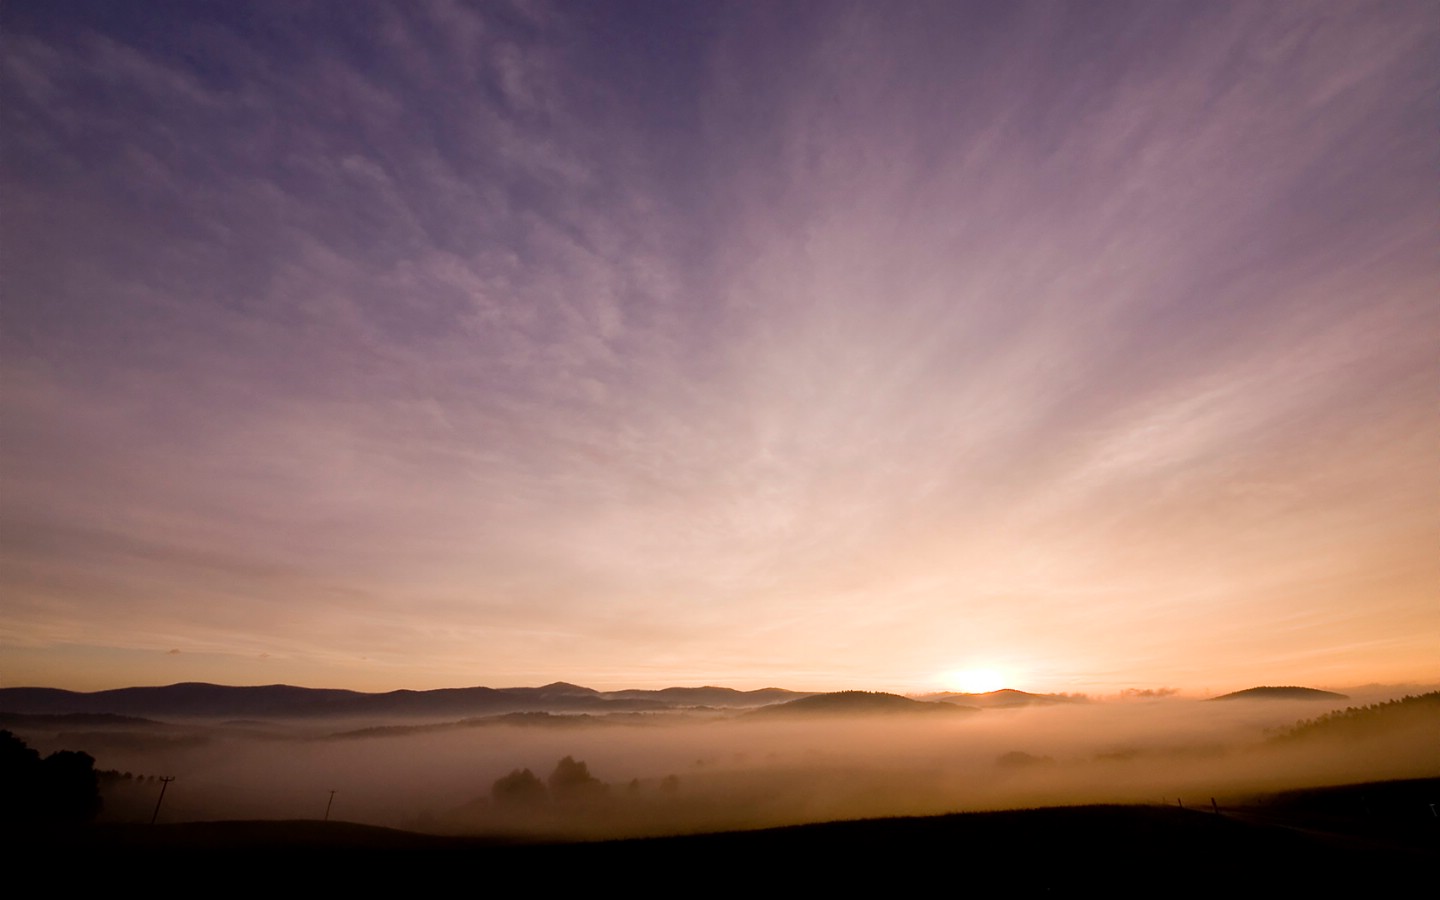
(547, 771)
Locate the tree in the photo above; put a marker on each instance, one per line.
(519, 788)
(61, 788)
(572, 780)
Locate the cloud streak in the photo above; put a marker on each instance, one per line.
(821, 343)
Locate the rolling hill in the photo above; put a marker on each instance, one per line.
(856, 703)
(1281, 693)
(193, 699)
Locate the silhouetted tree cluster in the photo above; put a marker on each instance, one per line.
(570, 800)
(569, 783)
(572, 782)
(61, 788)
(110, 777)
(1364, 718)
(519, 788)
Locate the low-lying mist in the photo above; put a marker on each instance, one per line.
(685, 772)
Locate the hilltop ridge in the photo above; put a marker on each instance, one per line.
(1288, 692)
(198, 699)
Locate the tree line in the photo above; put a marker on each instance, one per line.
(60, 789)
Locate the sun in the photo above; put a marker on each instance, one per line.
(974, 681)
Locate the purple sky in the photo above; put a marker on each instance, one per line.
(815, 344)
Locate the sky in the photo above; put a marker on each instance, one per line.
(811, 344)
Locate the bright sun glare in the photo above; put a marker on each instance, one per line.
(974, 681)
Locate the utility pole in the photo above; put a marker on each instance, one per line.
(164, 783)
(328, 804)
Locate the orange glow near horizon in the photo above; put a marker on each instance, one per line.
(881, 352)
(975, 681)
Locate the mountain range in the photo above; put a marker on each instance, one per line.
(195, 699)
(287, 701)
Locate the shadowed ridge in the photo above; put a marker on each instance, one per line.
(565, 687)
(842, 703)
(186, 698)
(198, 699)
(1288, 692)
(1134, 848)
(710, 696)
(1001, 699)
(71, 720)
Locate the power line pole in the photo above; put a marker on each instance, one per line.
(328, 804)
(164, 783)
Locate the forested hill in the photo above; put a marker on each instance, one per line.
(1359, 721)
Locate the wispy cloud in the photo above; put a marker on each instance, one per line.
(521, 339)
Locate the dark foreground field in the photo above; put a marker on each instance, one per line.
(1360, 837)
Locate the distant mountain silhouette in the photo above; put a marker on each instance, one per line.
(514, 719)
(193, 699)
(721, 697)
(1281, 693)
(1001, 699)
(74, 720)
(855, 703)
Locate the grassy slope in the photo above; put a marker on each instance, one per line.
(1134, 849)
